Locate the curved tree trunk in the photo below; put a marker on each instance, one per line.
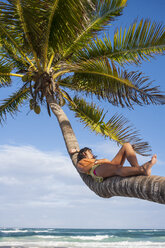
(150, 188)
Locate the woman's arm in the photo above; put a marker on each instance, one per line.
(85, 164)
(102, 161)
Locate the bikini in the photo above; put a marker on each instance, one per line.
(92, 173)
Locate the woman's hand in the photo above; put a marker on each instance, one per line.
(74, 150)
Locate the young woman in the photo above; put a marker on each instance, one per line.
(102, 168)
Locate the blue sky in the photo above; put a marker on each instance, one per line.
(39, 187)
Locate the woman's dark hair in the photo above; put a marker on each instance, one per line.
(81, 153)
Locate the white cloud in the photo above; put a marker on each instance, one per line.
(29, 158)
(42, 175)
(9, 181)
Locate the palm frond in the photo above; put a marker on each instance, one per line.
(140, 42)
(46, 45)
(68, 19)
(110, 83)
(9, 36)
(116, 128)
(105, 12)
(12, 103)
(9, 52)
(23, 20)
(30, 25)
(5, 69)
(58, 24)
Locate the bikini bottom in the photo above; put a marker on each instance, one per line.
(93, 174)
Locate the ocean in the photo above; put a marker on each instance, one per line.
(70, 238)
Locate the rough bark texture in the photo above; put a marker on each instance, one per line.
(150, 188)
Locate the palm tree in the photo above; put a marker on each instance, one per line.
(56, 47)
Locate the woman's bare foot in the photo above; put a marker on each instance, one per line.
(147, 166)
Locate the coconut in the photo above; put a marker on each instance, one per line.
(37, 109)
(25, 78)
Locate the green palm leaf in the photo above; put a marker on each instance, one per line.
(140, 42)
(20, 22)
(47, 35)
(66, 22)
(105, 12)
(116, 128)
(15, 42)
(12, 103)
(31, 24)
(112, 84)
(5, 69)
(9, 52)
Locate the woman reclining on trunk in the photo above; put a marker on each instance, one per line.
(102, 168)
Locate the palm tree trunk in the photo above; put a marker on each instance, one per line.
(151, 188)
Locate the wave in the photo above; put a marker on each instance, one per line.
(30, 231)
(146, 230)
(14, 231)
(63, 244)
(94, 238)
(97, 237)
(43, 231)
(48, 237)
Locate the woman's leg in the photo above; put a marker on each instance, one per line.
(109, 170)
(126, 152)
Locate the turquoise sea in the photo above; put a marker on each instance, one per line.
(58, 237)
